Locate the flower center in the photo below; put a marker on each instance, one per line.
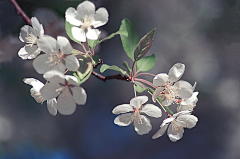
(37, 96)
(176, 127)
(170, 93)
(136, 116)
(55, 58)
(87, 22)
(31, 39)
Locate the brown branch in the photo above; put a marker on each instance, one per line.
(104, 79)
(21, 12)
(27, 19)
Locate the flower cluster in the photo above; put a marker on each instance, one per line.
(65, 68)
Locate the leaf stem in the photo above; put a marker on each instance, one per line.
(145, 74)
(145, 81)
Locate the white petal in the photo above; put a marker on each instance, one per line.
(78, 34)
(71, 80)
(138, 101)
(143, 128)
(100, 18)
(34, 83)
(123, 119)
(93, 34)
(167, 121)
(47, 44)
(173, 134)
(194, 85)
(176, 72)
(27, 31)
(64, 44)
(52, 106)
(160, 132)
(186, 89)
(65, 103)
(49, 91)
(123, 108)
(160, 79)
(86, 8)
(37, 95)
(54, 76)
(166, 102)
(183, 108)
(190, 101)
(28, 52)
(151, 110)
(188, 120)
(156, 93)
(41, 64)
(37, 26)
(72, 17)
(72, 63)
(79, 95)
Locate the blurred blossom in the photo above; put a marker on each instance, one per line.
(228, 93)
(6, 129)
(7, 51)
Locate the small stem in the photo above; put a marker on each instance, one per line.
(21, 12)
(145, 74)
(134, 87)
(79, 52)
(84, 48)
(144, 81)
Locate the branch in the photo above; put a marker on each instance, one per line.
(28, 20)
(21, 12)
(104, 79)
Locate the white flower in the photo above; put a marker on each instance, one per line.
(58, 55)
(169, 87)
(188, 103)
(30, 36)
(177, 122)
(132, 113)
(66, 88)
(86, 19)
(35, 93)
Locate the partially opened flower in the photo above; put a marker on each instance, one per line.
(30, 36)
(177, 122)
(132, 113)
(35, 93)
(188, 103)
(86, 20)
(66, 88)
(169, 88)
(58, 55)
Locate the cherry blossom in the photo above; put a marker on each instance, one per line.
(188, 103)
(35, 93)
(177, 122)
(30, 36)
(86, 20)
(58, 55)
(66, 88)
(132, 113)
(169, 88)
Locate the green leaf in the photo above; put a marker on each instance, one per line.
(126, 65)
(104, 67)
(146, 63)
(144, 45)
(139, 88)
(95, 59)
(120, 32)
(68, 28)
(85, 66)
(92, 43)
(129, 42)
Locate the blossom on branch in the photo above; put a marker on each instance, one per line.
(177, 122)
(35, 93)
(169, 88)
(66, 88)
(30, 36)
(86, 20)
(58, 55)
(132, 113)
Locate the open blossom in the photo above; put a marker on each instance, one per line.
(177, 122)
(66, 88)
(30, 36)
(188, 103)
(58, 55)
(35, 93)
(169, 88)
(86, 20)
(132, 113)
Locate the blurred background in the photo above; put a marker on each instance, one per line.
(202, 34)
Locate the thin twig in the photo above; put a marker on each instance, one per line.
(104, 79)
